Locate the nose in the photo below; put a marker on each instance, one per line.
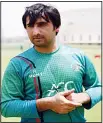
(36, 30)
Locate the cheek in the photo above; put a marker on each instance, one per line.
(29, 34)
(50, 33)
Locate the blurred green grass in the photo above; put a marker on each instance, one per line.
(92, 115)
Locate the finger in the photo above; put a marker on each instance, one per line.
(66, 93)
(69, 110)
(74, 104)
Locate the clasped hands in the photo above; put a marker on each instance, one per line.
(64, 102)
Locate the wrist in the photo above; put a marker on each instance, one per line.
(44, 103)
(84, 98)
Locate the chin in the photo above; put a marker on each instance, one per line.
(40, 45)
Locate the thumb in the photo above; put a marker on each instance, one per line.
(67, 93)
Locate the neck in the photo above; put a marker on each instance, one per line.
(47, 49)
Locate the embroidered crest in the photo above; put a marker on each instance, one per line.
(75, 67)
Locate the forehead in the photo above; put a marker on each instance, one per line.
(37, 21)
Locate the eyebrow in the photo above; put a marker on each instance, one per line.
(39, 22)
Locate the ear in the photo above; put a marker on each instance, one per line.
(57, 30)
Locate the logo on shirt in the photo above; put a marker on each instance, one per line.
(62, 86)
(35, 73)
(75, 67)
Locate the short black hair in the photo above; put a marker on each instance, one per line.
(40, 10)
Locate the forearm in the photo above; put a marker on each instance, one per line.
(95, 95)
(43, 104)
(89, 98)
(19, 108)
(83, 98)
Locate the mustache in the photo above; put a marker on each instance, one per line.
(38, 36)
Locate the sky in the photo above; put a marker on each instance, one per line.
(11, 14)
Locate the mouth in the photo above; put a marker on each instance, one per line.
(37, 38)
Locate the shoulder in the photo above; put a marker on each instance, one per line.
(76, 53)
(19, 60)
(26, 53)
(72, 50)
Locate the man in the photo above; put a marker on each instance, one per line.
(44, 83)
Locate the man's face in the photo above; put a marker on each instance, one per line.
(42, 33)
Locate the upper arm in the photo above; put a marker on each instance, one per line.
(90, 78)
(12, 84)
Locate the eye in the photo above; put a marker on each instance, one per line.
(42, 24)
(29, 25)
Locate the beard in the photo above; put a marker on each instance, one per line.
(40, 42)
